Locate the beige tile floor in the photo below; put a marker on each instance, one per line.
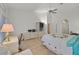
(36, 46)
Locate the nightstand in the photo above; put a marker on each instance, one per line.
(12, 44)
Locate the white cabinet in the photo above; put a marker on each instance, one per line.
(32, 35)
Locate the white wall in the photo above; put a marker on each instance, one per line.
(22, 20)
(3, 9)
(69, 12)
(73, 16)
(25, 19)
(3, 14)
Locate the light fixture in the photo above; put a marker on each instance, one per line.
(7, 28)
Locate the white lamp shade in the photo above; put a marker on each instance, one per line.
(7, 28)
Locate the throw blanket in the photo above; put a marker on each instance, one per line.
(74, 43)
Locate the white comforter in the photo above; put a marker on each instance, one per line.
(57, 44)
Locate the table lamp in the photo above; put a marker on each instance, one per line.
(7, 28)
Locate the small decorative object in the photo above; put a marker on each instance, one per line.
(33, 30)
(29, 30)
(7, 28)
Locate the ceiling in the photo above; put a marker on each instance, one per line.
(43, 7)
(37, 5)
(27, 6)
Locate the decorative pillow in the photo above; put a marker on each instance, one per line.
(2, 36)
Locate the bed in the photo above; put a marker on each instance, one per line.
(61, 44)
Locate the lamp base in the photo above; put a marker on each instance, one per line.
(7, 37)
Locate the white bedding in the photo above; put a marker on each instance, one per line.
(57, 44)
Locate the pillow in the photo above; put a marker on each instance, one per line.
(2, 36)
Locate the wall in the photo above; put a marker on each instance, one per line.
(72, 14)
(42, 17)
(25, 19)
(73, 18)
(69, 12)
(22, 20)
(3, 14)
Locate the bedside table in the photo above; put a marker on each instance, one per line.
(12, 44)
